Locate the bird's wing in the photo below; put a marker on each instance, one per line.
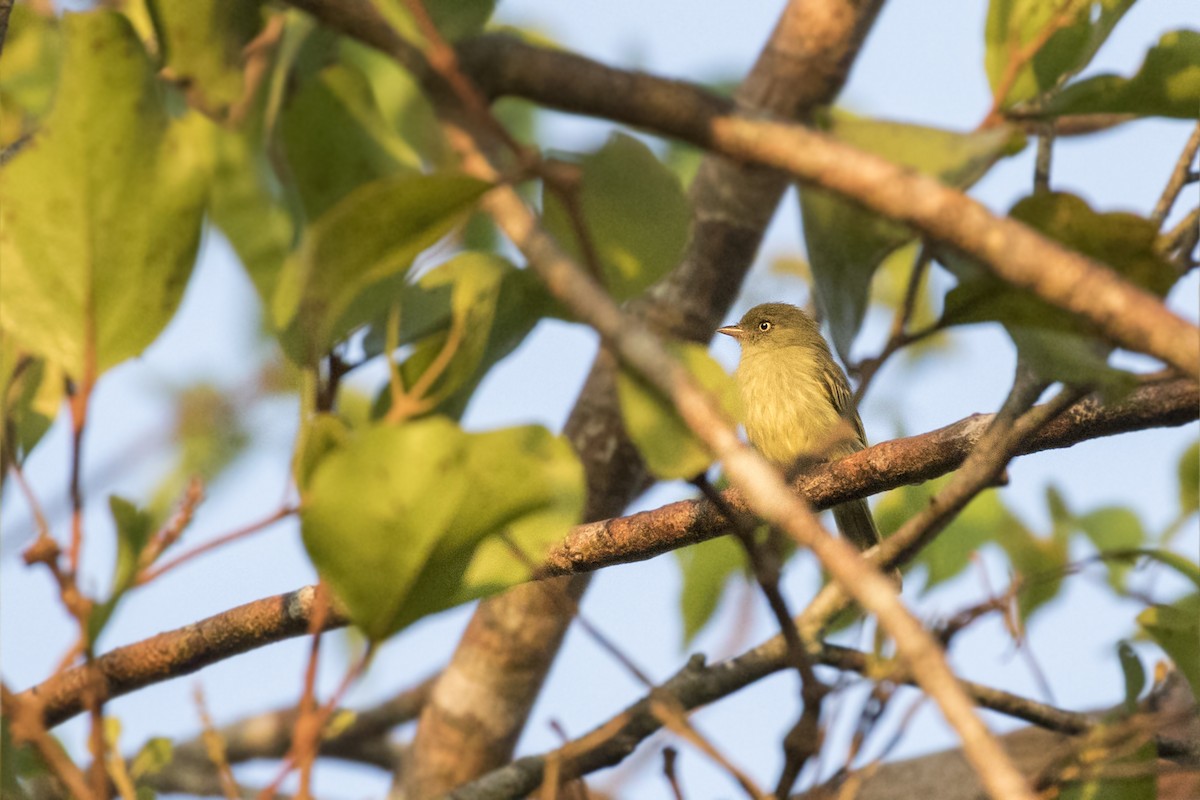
(838, 389)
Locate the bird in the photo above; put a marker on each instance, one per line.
(797, 402)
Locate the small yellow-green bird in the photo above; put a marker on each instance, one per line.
(797, 401)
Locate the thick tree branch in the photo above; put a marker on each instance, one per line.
(636, 537)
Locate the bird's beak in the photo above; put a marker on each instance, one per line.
(732, 330)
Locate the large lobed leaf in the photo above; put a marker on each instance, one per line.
(635, 214)
(101, 213)
(405, 521)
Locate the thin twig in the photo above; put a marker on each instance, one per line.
(898, 337)
(214, 747)
(254, 527)
(1178, 179)
(1045, 154)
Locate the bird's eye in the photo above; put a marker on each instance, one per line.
(764, 326)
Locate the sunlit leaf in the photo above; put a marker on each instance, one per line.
(1176, 629)
(247, 205)
(319, 435)
(31, 395)
(708, 569)
(402, 102)
(134, 527)
(526, 491)
(1033, 45)
(1060, 345)
(154, 756)
(328, 288)
(202, 44)
(635, 213)
(375, 510)
(336, 139)
(847, 244)
(1167, 85)
(1114, 528)
(492, 306)
(101, 212)
(670, 449)
(1189, 480)
(32, 54)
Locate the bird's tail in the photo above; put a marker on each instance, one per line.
(856, 525)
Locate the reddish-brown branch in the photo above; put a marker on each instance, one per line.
(636, 537)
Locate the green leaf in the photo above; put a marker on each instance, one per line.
(1032, 45)
(635, 213)
(319, 435)
(202, 44)
(527, 489)
(985, 519)
(102, 212)
(1114, 528)
(333, 284)
(153, 757)
(402, 102)
(336, 138)
(32, 54)
(846, 244)
(708, 569)
(134, 527)
(666, 443)
(375, 510)
(1176, 629)
(246, 203)
(1134, 672)
(31, 395)
(492, 307)
(454, 19)
(1060, 345)
(1167, 85)
(1189, 480)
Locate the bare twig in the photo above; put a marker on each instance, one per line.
(214, 747)
(151, 573)
(1178, 179)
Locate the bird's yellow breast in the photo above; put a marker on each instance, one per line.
(788, 409)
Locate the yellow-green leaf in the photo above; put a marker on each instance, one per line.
(635, 213)
(375, 510)
(1167, 85)
(101, 213)
(670, 449)
(331, 286)
(202, 43)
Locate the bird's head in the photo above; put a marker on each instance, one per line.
(771, 326)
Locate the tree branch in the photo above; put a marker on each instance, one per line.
(637, 537)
